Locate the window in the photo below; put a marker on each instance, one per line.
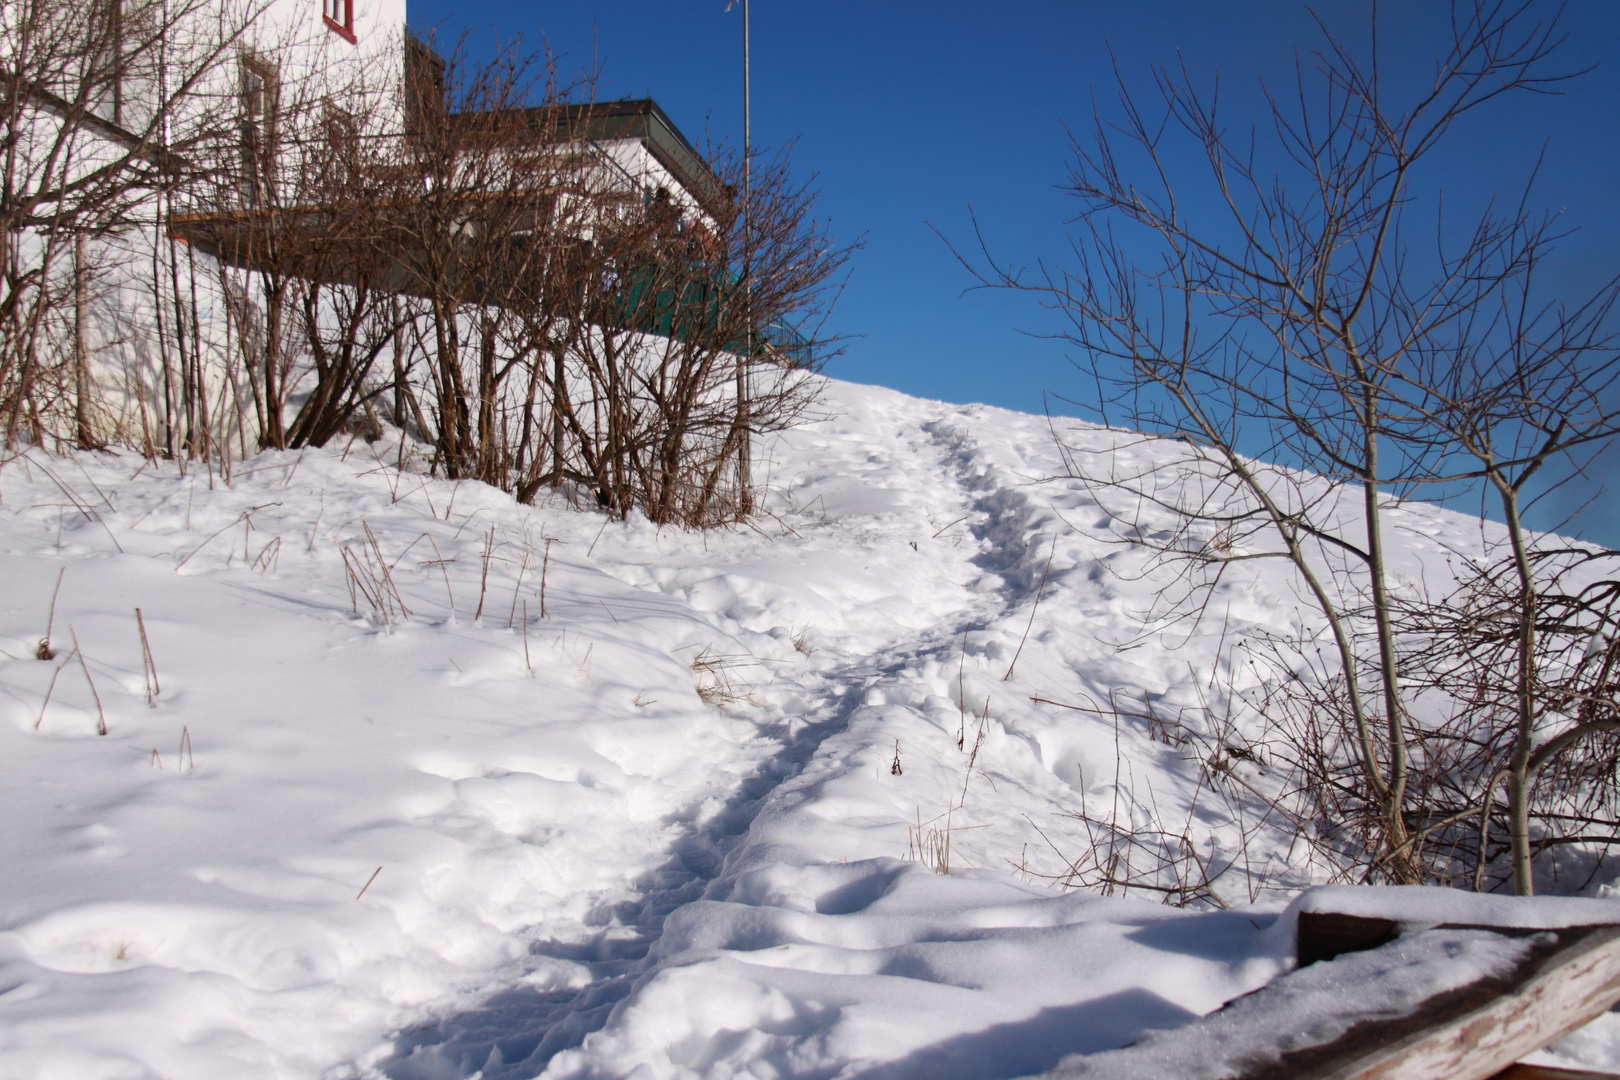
(342, 165)
(339, 15)
(260, 97)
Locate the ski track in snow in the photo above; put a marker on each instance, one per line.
(587, 871)
(527, 1027)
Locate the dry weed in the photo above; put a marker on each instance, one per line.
(718, 681)
(148, 665)
(101, 715)
(801, 643)
(930, 846)
(371, 576)
(930, 842)
(367, 885)
(44, 650)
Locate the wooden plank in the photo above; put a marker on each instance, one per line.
(1564, 978)
(1570, 977)
(1541, 1072)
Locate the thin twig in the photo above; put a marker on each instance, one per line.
(387, 570)
(148, 665)
(51, 689)
(231, 524)
(101, 716)
(516, 589)
(599, 533)
(973, 758)
(440, 560)
(961, 692)
(82, 507)
(1037, 606)
(44, 651)
(483, 579)
(545, 566)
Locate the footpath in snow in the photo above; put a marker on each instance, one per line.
(426, 784)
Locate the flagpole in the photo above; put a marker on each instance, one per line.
(745, 448)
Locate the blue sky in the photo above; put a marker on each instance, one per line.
(910, 113)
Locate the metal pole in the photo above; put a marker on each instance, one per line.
(745, 448)
(748, 129)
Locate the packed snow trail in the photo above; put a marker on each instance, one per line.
(817, 952)
(852, 625)
(434, 785)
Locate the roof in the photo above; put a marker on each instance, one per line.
(634, 119)
(638, 118)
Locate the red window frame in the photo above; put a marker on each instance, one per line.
(344, 26)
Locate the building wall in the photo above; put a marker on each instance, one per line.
(313, 54)
(164, 339)
(159, 312)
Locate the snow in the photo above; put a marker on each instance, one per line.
(1418, 907)
(657, 830)
(1311, 1007)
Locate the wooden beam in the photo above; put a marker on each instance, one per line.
(1570, 977)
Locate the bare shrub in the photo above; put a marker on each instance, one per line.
(1314, 365)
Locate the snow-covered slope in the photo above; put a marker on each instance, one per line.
(681, 816)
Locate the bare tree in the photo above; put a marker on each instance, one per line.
(576, 324)
(466, 243)
(103, 108)
(469, 217)
(1522, 644)
(645, 392)
(1298, 324)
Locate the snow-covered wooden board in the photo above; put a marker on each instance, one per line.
(1474, 1032)
(1462, 1003)
(1542, 1072)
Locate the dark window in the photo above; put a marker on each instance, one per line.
(260, 95)
(342, 166)
(339, 15)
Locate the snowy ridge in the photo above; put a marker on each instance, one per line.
(658, 831)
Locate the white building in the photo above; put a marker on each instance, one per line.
(140, 307)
